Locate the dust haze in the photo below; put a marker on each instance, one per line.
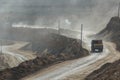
(94, 14)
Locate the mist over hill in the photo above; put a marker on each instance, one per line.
(92, 13)
(112, 31)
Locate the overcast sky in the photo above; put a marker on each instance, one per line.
(92, 13)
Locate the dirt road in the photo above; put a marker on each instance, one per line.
(82, 73)
(77, 69)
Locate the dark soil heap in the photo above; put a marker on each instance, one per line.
(59, 48)
(55, 44)
(110, 71)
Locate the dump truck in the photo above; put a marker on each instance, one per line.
(97, 46)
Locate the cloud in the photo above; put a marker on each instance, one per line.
(92, 13)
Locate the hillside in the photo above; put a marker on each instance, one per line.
(9, 61)
(54, 44)
(109, 71)
(112, 31)
(53, 50)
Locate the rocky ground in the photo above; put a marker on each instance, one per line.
(109, 71)
(55, 49)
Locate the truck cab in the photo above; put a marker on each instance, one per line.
(97, 46)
